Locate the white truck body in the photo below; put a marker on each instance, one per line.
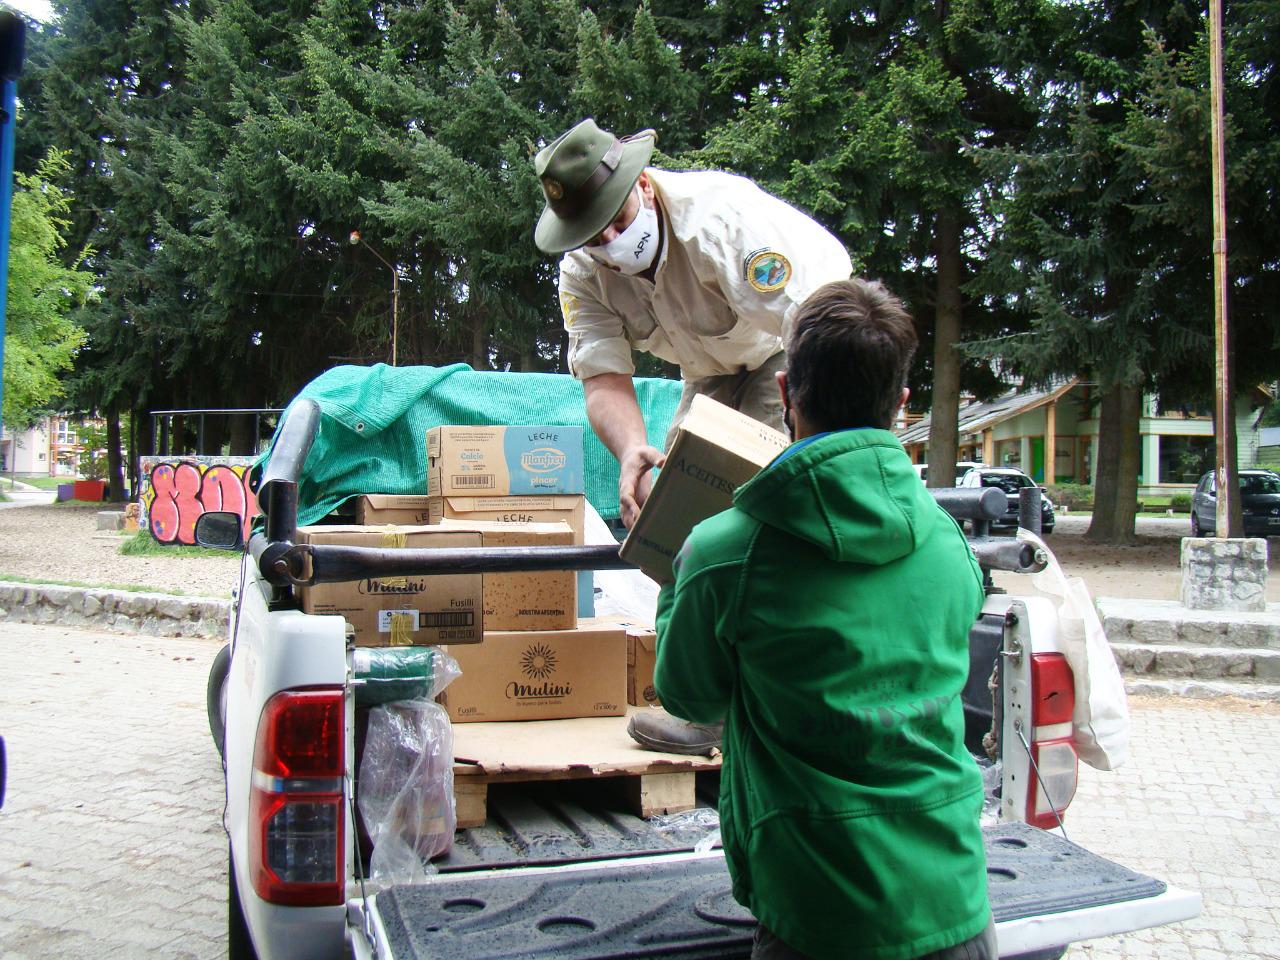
(285, 650)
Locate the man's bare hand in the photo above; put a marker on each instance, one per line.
(635, 480)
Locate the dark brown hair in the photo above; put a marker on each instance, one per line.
(849, 355)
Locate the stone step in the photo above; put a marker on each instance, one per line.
(1167, 622)
(1202, 689)
(1173, 661)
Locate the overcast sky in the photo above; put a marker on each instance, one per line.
(39, 9)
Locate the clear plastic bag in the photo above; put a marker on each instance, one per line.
(405, 791)
(700, 827)
(1100, 724)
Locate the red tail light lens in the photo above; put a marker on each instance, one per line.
(1053, 755)
(300, 735)
(296, 803)
(1053, 688)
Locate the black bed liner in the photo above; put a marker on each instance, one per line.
(566, 821)
(684, 908)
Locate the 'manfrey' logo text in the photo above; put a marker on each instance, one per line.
(543, 460)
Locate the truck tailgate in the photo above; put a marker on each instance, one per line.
(1044, 891)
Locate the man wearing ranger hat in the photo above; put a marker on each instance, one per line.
(701, 269)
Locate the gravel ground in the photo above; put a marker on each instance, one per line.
(62, 543)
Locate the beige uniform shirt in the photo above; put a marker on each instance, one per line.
(735, 265)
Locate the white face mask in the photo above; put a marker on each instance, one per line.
(632, 251)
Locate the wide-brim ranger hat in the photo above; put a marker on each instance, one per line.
(586, 175)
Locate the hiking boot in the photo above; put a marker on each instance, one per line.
(655, 729)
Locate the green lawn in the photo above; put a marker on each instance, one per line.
(143, 544)
(46, 483)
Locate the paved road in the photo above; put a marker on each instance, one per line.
(111, 842)
(25, 495)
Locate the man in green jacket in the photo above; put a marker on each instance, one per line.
(825, 618)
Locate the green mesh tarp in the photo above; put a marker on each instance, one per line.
(373, 428)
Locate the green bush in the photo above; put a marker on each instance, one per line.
(1181, 502)
(1074, 496)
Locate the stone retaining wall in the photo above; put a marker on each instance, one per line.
(154, 614)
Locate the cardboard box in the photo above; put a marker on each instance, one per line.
(642, 656)
(502, 461)
(400, 611)
(544, 600)
(541, 675)
(382, 508)
(567, 508)
(716, 450)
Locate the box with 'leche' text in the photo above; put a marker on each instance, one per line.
(715, 451)
(504, 461)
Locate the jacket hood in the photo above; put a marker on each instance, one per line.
(854, 494)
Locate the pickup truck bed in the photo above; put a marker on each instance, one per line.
(682, 906)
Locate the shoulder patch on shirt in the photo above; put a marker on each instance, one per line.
(766, 270)
(569, 307)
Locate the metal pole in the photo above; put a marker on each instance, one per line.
(12, 35)
(1222, 404)
(395, 312)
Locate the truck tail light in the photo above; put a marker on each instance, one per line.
(1053, 755)
(295, 805)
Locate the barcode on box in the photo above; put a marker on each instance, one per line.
(481, 481)
(461, 618)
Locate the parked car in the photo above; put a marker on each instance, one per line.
(1011, 480)
(1259, 502)
(963, 467)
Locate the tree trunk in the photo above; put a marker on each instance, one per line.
(479, 343)
(1126, 506)
(1106, 455)
(115, 464)
(944, 416)
(1115, 500)
(134, 448)
(215, 434)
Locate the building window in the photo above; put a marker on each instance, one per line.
(1184, 459)
(66, 435)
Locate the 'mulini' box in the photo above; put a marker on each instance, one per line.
(541, 675)
(400, 611)
(504, 461)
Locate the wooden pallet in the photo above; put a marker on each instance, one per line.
(596, 747)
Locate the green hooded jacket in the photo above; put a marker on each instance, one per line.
(825, 617)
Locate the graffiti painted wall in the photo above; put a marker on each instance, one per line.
(175, 491)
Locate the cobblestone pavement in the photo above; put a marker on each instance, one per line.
(111, 842)
(1198, 805)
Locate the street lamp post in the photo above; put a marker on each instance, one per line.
(356, 239)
